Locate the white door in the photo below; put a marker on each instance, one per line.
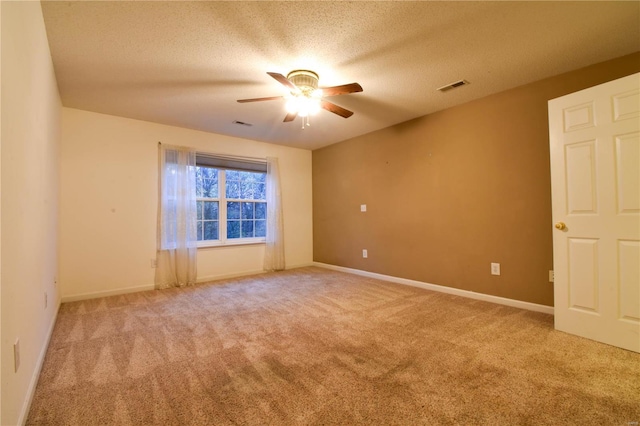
(595, 186)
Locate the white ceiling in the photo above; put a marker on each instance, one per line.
(186, 63)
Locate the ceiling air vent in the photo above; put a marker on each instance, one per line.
(242, 123)
(453, 85)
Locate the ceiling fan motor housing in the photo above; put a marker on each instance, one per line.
(305, 80)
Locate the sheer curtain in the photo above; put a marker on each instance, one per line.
(177, 245)
(274, 250)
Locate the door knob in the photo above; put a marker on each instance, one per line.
(561, 226)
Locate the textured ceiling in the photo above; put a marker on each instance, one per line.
(186, 63)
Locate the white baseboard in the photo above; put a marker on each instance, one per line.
(125, 290)
(105, 293)
(31, 390)
(301, 265)
(245, 273)
(210, 278)
(443, 289)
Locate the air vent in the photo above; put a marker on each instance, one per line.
(453, 85)
(242, 123)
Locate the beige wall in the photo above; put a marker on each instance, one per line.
(109, 201)
(451, 192)
(29, 168)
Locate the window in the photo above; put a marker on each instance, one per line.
(246, 204)
(207, 203)
(231, 201)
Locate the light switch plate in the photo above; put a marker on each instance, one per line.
(16, 355)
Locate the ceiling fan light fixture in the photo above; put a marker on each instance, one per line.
(292, 104)
(303, 105)
(309, 106)
(304, 101)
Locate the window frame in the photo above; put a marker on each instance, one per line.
(222, 200)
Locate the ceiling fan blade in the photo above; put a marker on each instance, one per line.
(283, 80)
(336, 109)
(270, 98)
(290, 117)
(341, 90)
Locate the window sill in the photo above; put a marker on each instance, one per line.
(230, 243)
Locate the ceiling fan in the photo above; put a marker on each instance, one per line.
(305, 98)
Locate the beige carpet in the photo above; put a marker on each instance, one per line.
(312, 346)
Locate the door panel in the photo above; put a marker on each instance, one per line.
(626, 105)
(581, 177)
(578, 117)
(629, 273)
(595, 179)
(627, 154)
(583, 274)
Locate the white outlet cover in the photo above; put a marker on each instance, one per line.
(495, 269)
(365, 253)
(363, 207)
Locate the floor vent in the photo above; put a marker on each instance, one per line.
(453, 85)
(242, 123)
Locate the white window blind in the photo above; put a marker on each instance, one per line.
(231, 163)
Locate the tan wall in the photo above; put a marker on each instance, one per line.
(109, 200)
(30, 142)
(451, 192)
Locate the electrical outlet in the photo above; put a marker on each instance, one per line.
(45, 300)
(16, 355)
(495, 269)
(154, 264)
(363, 207)
(551, 276)
(365, 254)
